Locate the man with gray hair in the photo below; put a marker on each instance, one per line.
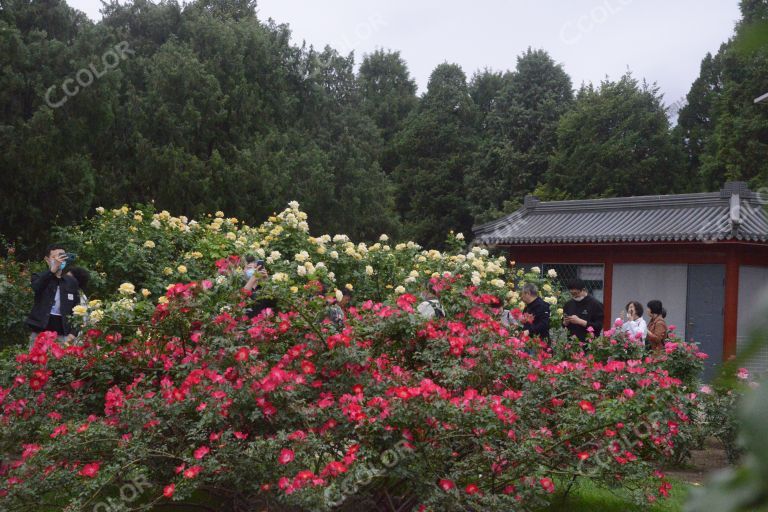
(538, 321)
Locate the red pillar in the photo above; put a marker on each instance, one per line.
(608, 290)
(730, 311)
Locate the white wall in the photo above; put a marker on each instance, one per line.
(644, 282)
(753, 283)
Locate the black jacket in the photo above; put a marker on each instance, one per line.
(44, 285)
(589, 309)
(540, 325)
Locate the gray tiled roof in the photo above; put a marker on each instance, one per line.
(734, 213)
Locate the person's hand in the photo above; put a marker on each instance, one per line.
(573, 319)
(56, 261)
(252, 281)
(566, 320)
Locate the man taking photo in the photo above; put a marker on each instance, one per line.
(55, 295)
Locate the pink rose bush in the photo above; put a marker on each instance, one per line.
(290, 411)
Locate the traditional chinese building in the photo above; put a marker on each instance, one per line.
(705, 256)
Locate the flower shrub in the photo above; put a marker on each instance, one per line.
(720, 403)
(284, 410)
(15, 297)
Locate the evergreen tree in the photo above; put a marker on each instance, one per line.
(435, 149)
(615, 142)
(519, 133)
(724, 133)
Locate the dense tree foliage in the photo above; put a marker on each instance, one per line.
(615, 142)
(519, 132)
(435, 149)
(203, 106)
(724, 132)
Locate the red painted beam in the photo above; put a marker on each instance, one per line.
(608, 290)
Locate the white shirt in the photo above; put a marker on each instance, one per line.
(56, 308)
(635, 328)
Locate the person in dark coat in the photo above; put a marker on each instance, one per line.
(538, 309)
(582, 311)
(56, 294)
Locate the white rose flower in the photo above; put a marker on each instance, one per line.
(294, 205)
(552, 273)
(400, 290)
(301, 256)
(127, 289)
(334, 255)
(369, 270)
(536, 270)
(280, 276)
(96, 316)
(301, 270)
(383, 238)
(459, 236)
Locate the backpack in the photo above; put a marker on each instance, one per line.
(431, 309)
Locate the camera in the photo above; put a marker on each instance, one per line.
(70, 257)
(260, 263)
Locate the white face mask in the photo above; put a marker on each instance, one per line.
(579, 299)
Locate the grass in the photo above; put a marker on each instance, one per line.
(588, 497)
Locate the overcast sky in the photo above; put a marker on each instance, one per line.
(660, 40)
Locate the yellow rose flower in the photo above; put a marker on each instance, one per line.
(79, 310)
(162, 300)
(146, 293)
(127, 289)
(149, 244)
(182, 269)
(167, 271)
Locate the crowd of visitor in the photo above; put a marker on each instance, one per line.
(62, 287)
